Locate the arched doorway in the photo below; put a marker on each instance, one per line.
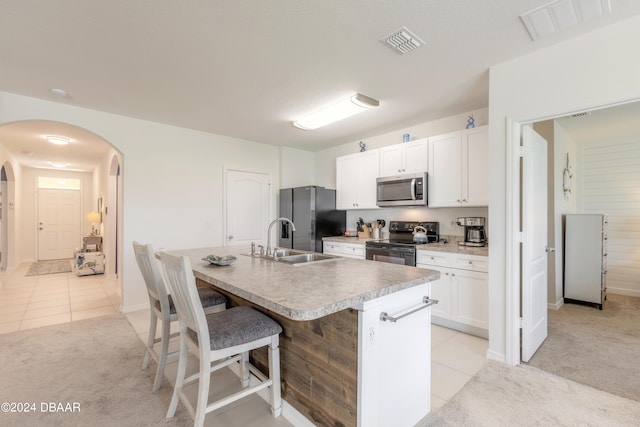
(7, 216)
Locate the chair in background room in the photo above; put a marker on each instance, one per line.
(162, 308)
(224, 338)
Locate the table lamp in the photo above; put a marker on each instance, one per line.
(93, 217)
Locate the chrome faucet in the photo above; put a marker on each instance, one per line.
(293, 228)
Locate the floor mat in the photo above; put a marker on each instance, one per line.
(49, 267)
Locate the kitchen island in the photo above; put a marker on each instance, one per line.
(341, 364)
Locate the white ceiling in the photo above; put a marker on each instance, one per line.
(248, 68)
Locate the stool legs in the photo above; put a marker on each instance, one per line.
(153, 321)
(274, 374)
(162, 360)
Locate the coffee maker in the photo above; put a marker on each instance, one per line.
(474, 234)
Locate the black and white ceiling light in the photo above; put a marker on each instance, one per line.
(339, 110)
(559, 15)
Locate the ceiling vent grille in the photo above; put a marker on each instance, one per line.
(562, 14)
(585, 114)
(402, 41)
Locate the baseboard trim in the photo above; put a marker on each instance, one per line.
(131, 308)
(625, 292)
(498, 357)
(555, 306)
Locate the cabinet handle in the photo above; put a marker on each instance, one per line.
(425, 300)
(470, 262)
(459, 201)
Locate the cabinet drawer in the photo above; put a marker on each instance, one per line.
(439, 259)
(470, 262)
(345, 249)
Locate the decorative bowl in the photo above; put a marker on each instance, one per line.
(220, 260)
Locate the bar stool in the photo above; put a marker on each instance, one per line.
(225, 338)
(162, 308)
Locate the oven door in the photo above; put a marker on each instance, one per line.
(404, 255)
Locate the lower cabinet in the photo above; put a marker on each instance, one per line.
(462, 291)
(347, 250)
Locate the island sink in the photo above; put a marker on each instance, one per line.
(306, 257)
(295, 257)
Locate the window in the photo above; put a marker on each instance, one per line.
(58, 183)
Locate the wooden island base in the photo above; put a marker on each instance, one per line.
(319, 363)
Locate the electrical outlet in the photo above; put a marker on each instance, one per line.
(372, 335)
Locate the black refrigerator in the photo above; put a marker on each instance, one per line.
(313, 211)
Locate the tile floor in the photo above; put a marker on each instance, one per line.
(35, 301)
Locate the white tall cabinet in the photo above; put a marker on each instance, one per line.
(459, 168)
(356, 180)
(585, 258)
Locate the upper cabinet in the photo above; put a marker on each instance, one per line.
(408, 157)
(458, 168)
(356, 180)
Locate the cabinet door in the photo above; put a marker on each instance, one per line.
(475, 167)
(391, 160)
(415, 154)
(471, 298)
(368, 171)
(444, 170)
(441, 291)
(347, 169)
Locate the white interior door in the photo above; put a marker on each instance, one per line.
(247, 201)
(534, 238)
(58, 223)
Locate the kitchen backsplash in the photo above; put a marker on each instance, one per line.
(445, 216)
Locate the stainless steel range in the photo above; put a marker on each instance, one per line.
(400, 247)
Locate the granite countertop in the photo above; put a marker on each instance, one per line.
(304, 291)
(451, 245)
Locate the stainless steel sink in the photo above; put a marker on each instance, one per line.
(296, 257)
(305, 257)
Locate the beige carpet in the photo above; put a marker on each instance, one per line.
(501, 395)
(93, 363)
(49, 267)
(599, 348)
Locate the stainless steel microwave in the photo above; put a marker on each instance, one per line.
(402, 190)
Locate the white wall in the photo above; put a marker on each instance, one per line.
(172, 178)
(594, 70)
(298, 168)
(564, 204)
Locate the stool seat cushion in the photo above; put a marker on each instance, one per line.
(236, 326)
(208, 297)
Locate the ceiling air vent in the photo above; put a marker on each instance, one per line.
(585, 114)
(402, 41)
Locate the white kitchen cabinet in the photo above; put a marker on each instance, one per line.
(459, 168)
(356, 180)
(462, 291)
(347, 250)
(409, 157)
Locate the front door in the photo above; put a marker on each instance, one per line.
(248, 207)
(58, 223)
(534, 242)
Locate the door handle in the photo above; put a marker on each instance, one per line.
(230, 237)
(547, 249)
